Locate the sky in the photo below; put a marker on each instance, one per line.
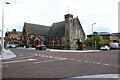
(46, 12)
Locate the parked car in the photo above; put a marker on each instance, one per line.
(40, 47)
(12, 45)
(114, 45)
(105, 47)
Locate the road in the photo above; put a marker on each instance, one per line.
(31, 63)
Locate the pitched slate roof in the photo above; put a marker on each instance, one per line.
(36, 29)
(57, 29)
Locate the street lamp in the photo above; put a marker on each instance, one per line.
(92, 35)
(3, 25)
(53, 44)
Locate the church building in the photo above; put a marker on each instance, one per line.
(66, 34)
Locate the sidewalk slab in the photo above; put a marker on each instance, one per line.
(7, 54)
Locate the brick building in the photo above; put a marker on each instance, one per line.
(34, 34)
(13, 37)
(110, 37)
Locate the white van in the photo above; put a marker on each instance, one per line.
(114, 46)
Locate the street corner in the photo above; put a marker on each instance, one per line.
(7, 54)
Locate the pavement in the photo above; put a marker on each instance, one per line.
(75, 51)
(7, 54)
(58, 50)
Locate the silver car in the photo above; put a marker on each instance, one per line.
(105, 47)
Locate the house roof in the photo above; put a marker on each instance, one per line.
(36, 29)
(104, 33)
(100, 33)
(116, 34)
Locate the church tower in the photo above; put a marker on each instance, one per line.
(68, 30)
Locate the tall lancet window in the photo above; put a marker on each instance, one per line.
(76, 34)
(79, 34)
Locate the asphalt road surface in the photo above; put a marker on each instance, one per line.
(31, 63)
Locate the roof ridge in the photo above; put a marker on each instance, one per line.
(37, 24)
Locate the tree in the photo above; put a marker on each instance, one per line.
(103, 42)
(88, 42)
(96, 41)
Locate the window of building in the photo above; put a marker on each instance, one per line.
(70, 21)
(76, 34)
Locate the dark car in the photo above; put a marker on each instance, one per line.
(40, 47)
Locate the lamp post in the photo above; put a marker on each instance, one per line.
(3, 25)
(53, 44)
(92, 36)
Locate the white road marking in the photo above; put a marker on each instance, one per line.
(65, 58)
(20, 61)
(86, 61)
(45, 61)
(94, 62)
(50, 56)
(98, 63)
(25, 57)
(79, 60)
(46, 56)
(36, 54)
(3, 66)
(32, 59)
(59, 58)
(56, 57)
(42, 55)
(89, 62)
(103, 76)
(72, 59)
(106, 64)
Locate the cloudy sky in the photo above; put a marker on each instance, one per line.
(45, 12)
